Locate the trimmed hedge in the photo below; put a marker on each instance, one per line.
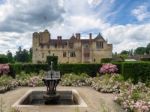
(106, 60)
(28, 68)
(145, 59)
(90, 69)
(3, 59)
(53, 59)
(137, 71)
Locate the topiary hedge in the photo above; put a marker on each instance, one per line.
(106, 60)
(137, 71)
(28, 68)
(90, 69)
(3, 59)
(53, 59)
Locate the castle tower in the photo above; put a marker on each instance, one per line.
(44, 37)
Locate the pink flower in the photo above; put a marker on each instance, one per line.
(108, 68)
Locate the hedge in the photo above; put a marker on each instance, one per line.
(28, 68)
(90, 69)
(106, 60)
(3, 59)
(137, 71)
(53, 59)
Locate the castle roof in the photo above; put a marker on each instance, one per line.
(99, 36)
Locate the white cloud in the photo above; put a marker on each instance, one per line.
(126, 37)
(141, 12)
(20, 18)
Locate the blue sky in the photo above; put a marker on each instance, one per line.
(124, 23)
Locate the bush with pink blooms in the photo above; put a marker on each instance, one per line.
(108, 68)
(4, 69)
(134, 98)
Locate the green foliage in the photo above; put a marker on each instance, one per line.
(74, 79)
(124, 52)
(135, 95)
(90, 69)
(136, 71)
(140, 50)
(53, 59)
(148, 49)
(106, 60)
(23, 55)
(3, 59)
(28, 68)
(145, 59)
(10, 57)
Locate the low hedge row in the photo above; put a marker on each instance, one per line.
(137, 71)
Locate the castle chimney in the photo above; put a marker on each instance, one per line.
(78, 36)
(90, 36)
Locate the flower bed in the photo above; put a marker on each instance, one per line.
(31, 80)
(134, 98)
(74, 80)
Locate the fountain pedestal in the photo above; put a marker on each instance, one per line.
(51, 94)
(51, 80)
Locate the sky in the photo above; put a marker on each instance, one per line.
(123, 23)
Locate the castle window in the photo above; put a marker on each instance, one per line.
(64, 45)
(55, 45)
(71, 45)
(72, 54)
(64, 54)
(99, 45)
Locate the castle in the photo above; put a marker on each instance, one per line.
(73, 50)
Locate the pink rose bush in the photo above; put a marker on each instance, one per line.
(108, 68)
(134, 98)
(4, 69)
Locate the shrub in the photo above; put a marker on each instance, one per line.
(3, 59)
(145, 59)
(90, 69)
(106, 60)
(4, 69)
(53, 59)
(136, 71)
(108, 68)
(74, 80)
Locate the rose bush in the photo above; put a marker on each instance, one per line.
(108, 68)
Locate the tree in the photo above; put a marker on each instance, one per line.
(10, 57)
(22, 55)
(124, 52)
(140, 50)
(30, 54)
(148, 49)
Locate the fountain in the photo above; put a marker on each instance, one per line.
(51, 81)
(46, 99)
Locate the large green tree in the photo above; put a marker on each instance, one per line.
(10, 57)
(140, 50)
(22, 55)
(148, 49)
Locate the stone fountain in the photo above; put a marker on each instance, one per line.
(51, 81)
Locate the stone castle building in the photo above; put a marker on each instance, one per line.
(73, 50)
